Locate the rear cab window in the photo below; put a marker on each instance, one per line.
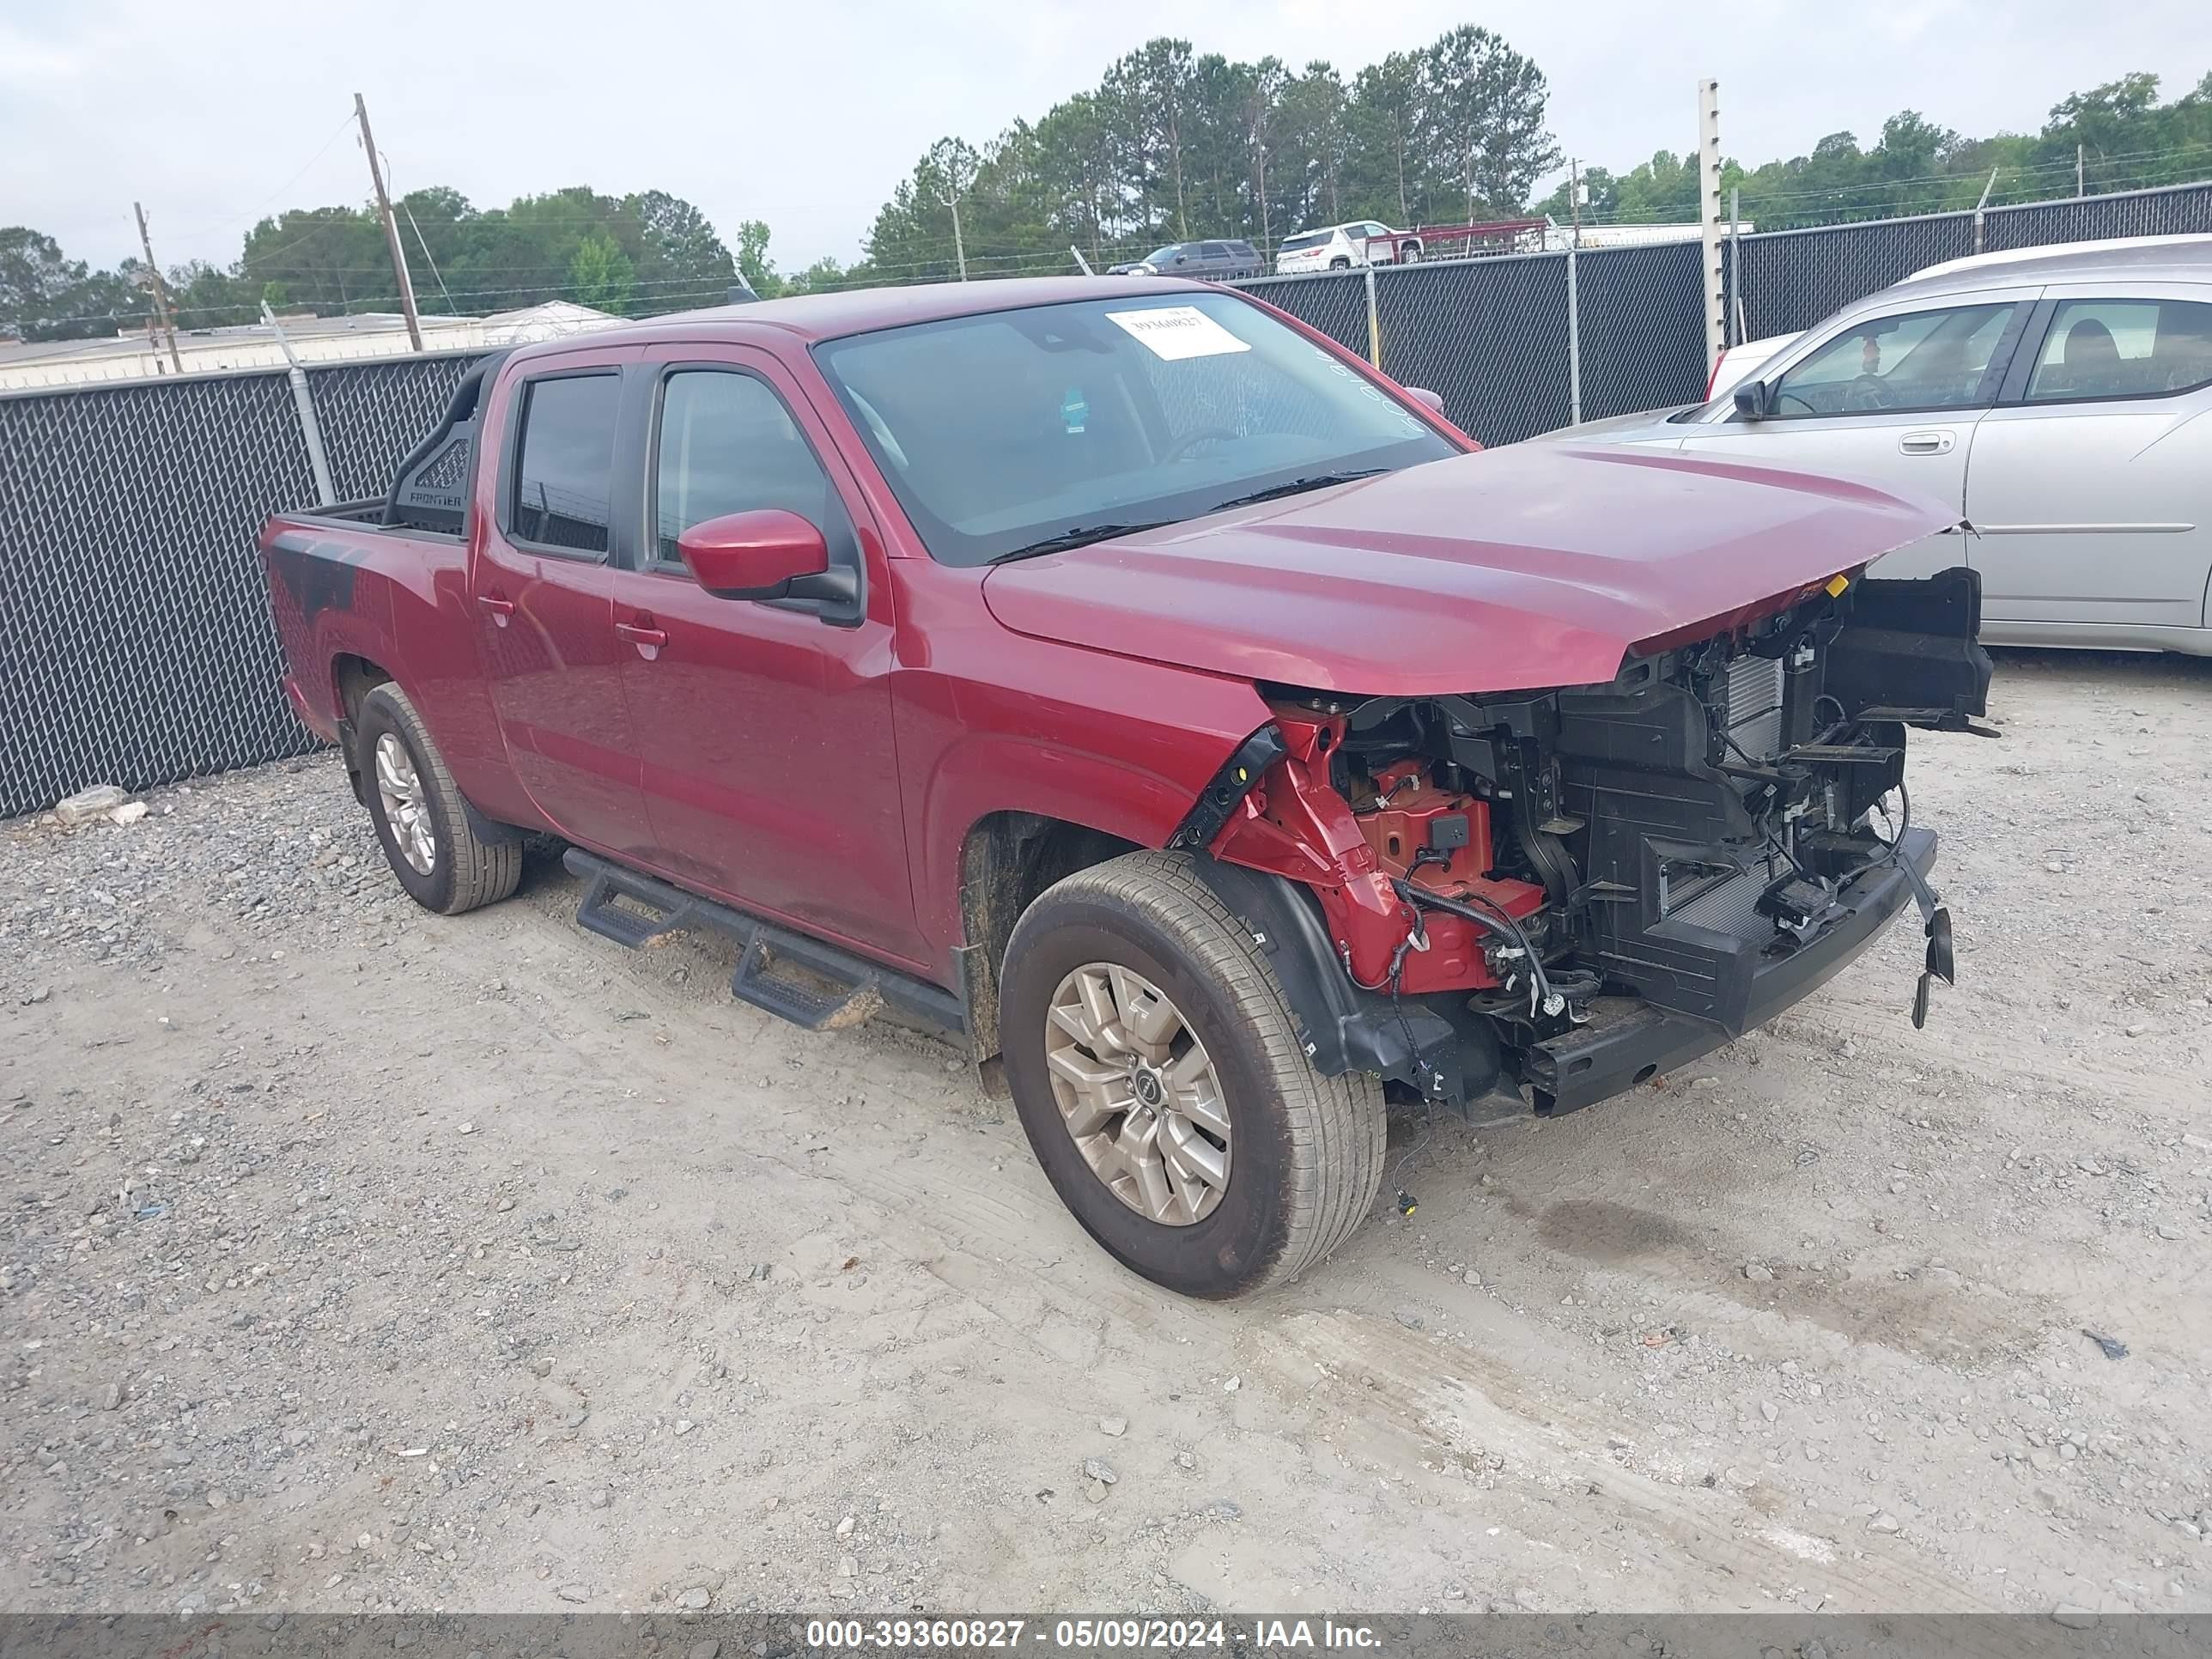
(561, 499)
(2142, 348)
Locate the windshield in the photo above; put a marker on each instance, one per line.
(1001, 431)
(1160, 256)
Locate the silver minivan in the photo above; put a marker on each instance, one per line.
(2058, 399)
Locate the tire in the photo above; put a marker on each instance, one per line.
(470, 863)
(1410, 254)
(1339, 264)
(1302, 1156)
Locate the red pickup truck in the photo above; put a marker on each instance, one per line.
(1148, 690)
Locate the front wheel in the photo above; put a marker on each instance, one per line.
(1410, 254)
(1159, 1077)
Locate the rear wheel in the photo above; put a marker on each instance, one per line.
(1159, 1077)
(1339, 264)
(447, 859)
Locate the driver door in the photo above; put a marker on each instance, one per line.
(1892, 399)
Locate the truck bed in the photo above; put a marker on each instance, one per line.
(359, 518)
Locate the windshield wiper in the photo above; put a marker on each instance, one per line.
(1081, 536)
(1296, 487)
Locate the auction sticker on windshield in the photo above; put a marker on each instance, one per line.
(1173, 333)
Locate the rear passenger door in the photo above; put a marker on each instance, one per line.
(541, 591)
(2090, 486)
(763, 729)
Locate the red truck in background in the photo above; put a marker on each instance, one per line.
(1148, 690)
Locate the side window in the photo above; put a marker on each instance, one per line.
(564, 465)
(1923, 360)
(1214, 250)
(2123, 349)
(728, 445)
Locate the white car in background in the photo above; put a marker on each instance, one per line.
(1740, 360)
(1339, 247)
(2058, 399)
(1743, 360)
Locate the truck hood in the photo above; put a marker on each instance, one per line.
(1514, 570)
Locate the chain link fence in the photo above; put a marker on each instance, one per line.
(135, 646)
(2176, 211)
(373, 413)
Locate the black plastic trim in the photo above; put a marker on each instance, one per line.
(759, 939)
(1629, 1040)
(1343, 1028)
(1228, 786)
(2023, 361)
(463, 408)
(1910, 652)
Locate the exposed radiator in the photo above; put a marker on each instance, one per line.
(1751, 715)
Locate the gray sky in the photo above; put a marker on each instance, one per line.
(807, 114)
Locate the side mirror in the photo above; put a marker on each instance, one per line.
(1754, 400)
(1426, 398)
(761, 554)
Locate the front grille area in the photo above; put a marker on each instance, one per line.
(1751, 709)
(1730, 905)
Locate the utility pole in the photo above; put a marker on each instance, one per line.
(1708, 214)
(959, 248)
(391, 228)
(160, 291)
(956, 167)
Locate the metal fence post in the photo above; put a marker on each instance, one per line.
(1980, 206)
(1574, 343)
(1732, 325)
(1374, 321)
(310, 429)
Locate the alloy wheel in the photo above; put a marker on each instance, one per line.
(400, 788)
(1138, 1093)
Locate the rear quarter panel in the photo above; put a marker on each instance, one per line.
(401, 603)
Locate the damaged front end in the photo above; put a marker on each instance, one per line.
(1567, 891)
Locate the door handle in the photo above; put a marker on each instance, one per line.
(1925, 443)
(644, 636)
(500, 609)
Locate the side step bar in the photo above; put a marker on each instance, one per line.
(634, 909)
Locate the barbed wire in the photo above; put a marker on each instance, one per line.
(656, 296)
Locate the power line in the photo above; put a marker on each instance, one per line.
(255, 216)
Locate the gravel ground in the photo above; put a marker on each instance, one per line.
(358, 1258)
